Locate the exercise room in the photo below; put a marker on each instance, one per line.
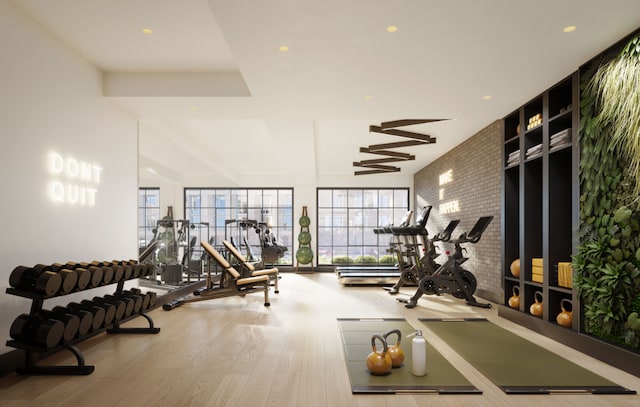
(356, 203)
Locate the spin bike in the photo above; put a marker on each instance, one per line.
(425, 265)
(450, 277)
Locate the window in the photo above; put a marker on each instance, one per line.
(244, 216)
(148, 214)
(347, 218)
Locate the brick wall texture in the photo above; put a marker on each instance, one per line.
(465, 184)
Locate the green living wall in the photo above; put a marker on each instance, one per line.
(607, 262)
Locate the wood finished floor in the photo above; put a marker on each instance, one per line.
(236, 352)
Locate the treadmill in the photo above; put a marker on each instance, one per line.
(379, 274)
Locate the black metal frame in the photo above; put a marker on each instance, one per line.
(33, 353)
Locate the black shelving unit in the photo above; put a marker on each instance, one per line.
(541, 198)
(34, 352)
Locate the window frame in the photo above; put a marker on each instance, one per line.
(236, 204)
(348, 222)
(147, 224)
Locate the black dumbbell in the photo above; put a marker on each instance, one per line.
(152, 298)
(151, 295)
(84, 278)
(98, 313)
(119, 306)
(146, 298)
(83, 275)
(135, 298)
(95, 272)
(70, 321)
(128, 303)
(118, 271)
(107, 272)
(108, 275)
(137, 270)
(31, 329)
(128, 270)
(109, 311)
(86, 318)
(69, 277)
(126, 267)
(38, 280)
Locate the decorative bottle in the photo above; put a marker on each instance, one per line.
(418, 354)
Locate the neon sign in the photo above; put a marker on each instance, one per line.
(75, 182)
(452, 206)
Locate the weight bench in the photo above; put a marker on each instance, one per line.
(231, 283)
(251, 271)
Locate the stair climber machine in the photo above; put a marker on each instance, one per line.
(450, 277)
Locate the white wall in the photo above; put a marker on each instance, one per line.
(51, 99)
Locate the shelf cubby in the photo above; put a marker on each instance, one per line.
(540, 198)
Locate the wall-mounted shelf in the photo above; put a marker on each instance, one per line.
(540, 199)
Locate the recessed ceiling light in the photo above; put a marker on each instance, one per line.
(147, 31)
(368, 97)
(392, 29)
(193, 109)
(569, 28)
(283, 48)
(487, 97)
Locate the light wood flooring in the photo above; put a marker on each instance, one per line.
(236, 352)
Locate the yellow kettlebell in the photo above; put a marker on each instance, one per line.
(515, 268)
(536, 307)
(565, 318)
(396, 353)
(514, 301)
(379, 363)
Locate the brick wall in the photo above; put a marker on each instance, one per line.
(465, 184)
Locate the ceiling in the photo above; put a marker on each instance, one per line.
(217, 98)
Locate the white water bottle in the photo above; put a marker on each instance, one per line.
(418, 354)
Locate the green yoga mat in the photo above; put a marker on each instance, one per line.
(441, 376)
(515, 364)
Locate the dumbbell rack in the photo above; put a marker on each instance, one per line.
(34, 352)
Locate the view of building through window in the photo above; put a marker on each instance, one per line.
(248, 217)
(148, 214)
(347, 218)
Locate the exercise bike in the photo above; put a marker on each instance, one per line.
(426, 265)
(450, 277)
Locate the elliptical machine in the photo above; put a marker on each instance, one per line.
(450, 277)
